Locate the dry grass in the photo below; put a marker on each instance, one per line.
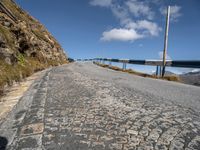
(7, 35)
(40, 35)
(25, 66)
(169, 78)
(23, 16)
(17, 11)
(15, 73)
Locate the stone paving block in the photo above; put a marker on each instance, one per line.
(32, 129)
(29, 142)
(71, 110)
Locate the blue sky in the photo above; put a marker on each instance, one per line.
(120, 28)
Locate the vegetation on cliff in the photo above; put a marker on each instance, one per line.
(25, 46)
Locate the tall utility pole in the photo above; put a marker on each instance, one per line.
(166, 41)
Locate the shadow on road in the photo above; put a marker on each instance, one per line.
(3, 143)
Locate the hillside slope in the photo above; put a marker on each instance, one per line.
(192, 78)
(25, 45)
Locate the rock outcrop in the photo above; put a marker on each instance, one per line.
(24, 42)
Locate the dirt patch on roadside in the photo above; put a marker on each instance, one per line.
(14, 93)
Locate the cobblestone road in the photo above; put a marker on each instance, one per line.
(68, 109)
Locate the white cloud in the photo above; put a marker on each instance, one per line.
(134, 17)
(174, 12)
(161, 56)
(149, 27)
(144, 26)
(103, 3)
(120, 35)
(132, 31)
(120, 12)
(139, 8)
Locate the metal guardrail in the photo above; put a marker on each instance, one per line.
(169, 63)
(158, 63)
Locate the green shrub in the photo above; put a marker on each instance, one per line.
(21, 59)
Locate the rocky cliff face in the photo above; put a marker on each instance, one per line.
(25, 45)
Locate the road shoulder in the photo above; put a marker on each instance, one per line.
(15, 93)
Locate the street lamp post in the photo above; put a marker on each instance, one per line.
(166, 40)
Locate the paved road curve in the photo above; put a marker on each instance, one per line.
(83, 106)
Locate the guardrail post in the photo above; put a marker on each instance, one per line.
(124, 66)
(157, 70)
(110, 63)
(160, 70)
